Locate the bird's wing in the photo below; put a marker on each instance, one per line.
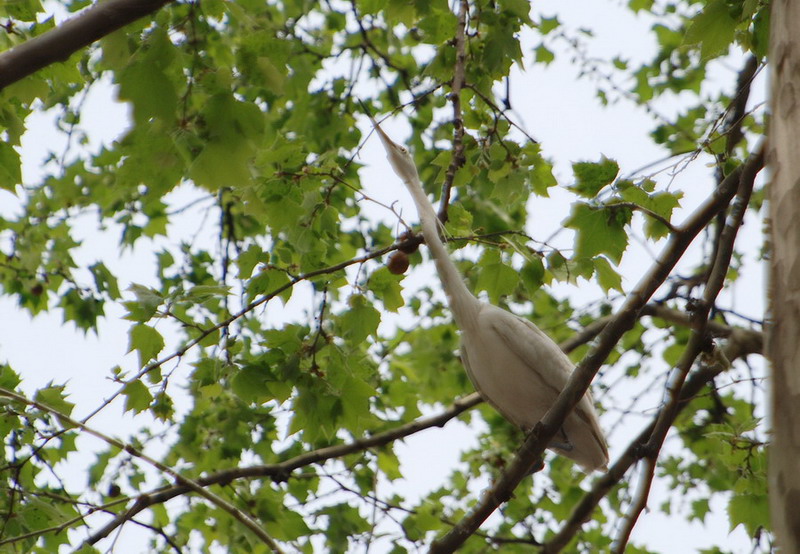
(530, 344)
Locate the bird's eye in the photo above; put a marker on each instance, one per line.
(403, 149)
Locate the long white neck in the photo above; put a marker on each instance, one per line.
(463, 303)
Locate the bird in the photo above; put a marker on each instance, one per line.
(512, 363)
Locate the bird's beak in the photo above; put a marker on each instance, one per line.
(398, 156)
(388, 143)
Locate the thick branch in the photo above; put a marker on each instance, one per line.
(736, 110)
(58, 44)
(544, 432)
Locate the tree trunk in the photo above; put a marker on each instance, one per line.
(783, 342)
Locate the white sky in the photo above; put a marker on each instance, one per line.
(552, 104)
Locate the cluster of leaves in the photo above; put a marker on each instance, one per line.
(248, 104)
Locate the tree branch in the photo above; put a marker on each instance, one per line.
(458, 122)
(740, 342)
(58, 44)
(190, 484)
(738, 105)
(282, 470)
(698, 342)
(581, 378)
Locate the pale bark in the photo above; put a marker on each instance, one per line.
(783, 339)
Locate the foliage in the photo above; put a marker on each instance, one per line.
(252, 109)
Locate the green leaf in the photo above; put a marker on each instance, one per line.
(54, 397)
(360, 321)
(672, 354)
(607, 276)
(510, 188)
(150, 91)
(146, 341)
(97, 469)
(201, 293)
(713, 29)
(248, 259)
(386, 287)
(137, 396)
(548, 24)
(389, 464)
(268, 281)
(750, 511)
(532, 274)
(355, 396)
(544, 55)
(9, 378)
(81, 308)
(10, 167)
(599, 231)
(495, 277)
(222, 164)
(147, 302)
(459, 221)
(104, 280)
(700, 508)
(661, 203)
(592, 177)
(249, 384)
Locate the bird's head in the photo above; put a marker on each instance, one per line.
(398, 155)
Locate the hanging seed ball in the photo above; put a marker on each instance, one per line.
(408, 248)
(397, 262)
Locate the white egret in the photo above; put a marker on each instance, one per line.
(514, 366)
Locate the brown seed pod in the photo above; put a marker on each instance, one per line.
(397, 262)
(412, 240)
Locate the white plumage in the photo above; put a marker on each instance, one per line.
(516, 367)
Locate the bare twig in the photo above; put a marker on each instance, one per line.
(458, 121)
(579, 381)
(60, 43)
